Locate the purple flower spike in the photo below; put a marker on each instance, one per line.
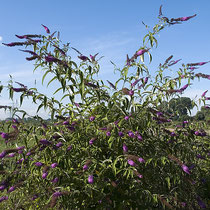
(93, 57)
(4, 135)
(12, 44)
(55, 180)
(141, 52)
(135, 82)
(131, 134)
(185, 169)
(19, 89)
(159, 114)
(90, 179)
(126, 117)
(197, 133)
(69, 148)
(11, 189)
(91, 141)
(174, 62)
(3, 198)
(3, 154)
(187, 18)
(46, 29)
(85, 167)
(108, 133)
(28, 153)
(140, 176)
(92, 118)
(57, 194)
(66, 122)
(172, 134)
(125, 148)
(77, 105)
(204, 93)
(83, 57)
(50, 59)
(20, 151)
(45, 142)
(38, 164)
(59, 144)
(54, 165)
(201, 203)
(121, 134)
(11, 155)
(131, 92)
(139, 137)
(184, 87)
(20, 148)
(44, 175)
(146, 80)
(14, 127)
(21, 37)
(141, 160)
(2, 187)
(131, 163)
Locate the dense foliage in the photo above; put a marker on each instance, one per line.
(108, 147)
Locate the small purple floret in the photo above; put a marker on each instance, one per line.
(11, 189)
(108, 133)
(85, 167)
(90, 179)
(120, 134)
(131, 162)
(125, 148)
(92, 118)
(126, 117)
(44, 175)
(131, 134)
(59, 144)
(38, 164)
(185, 169)
(131, 92)
(54, 165)
(141, 160)
(69, 148)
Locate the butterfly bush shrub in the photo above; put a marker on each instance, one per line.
(110, 146)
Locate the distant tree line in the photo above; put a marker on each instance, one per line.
(182, 107)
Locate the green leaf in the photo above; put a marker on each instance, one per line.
(54, 78)
(45, 74)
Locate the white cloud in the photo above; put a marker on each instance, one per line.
(1, 38)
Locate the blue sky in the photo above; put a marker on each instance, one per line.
(112, 28)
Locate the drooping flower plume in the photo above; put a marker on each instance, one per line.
(46, 29)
